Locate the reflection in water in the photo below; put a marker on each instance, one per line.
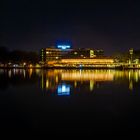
(91, 85)
(17, 77)
(63, 89)
(36, 99)
(76, 78)
(88, 78)
(62, 81)
(87, 75)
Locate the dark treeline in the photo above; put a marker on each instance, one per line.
(18, 56)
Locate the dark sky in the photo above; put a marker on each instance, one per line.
(108, 25)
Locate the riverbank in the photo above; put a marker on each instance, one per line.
(64, 67)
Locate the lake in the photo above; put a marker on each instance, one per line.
(69, 101)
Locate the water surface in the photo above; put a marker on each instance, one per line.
(70, 101)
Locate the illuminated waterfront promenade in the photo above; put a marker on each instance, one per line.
(63, 56)
(76, 65)
(90, 64)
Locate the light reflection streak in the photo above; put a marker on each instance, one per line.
(9, 73)
(42, 81)
(131, 85)
(75, 84)
(63, 89)
(92, 77)
(30, 72)
(85, 76)
(91, 85)
(50, 79)
(24, 73)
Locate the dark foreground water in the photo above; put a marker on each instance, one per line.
(69, 101)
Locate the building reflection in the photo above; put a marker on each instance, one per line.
(87, 75)
(131, 77)
(66, 81)
(17, 77)
(86, 79)
(63, 89)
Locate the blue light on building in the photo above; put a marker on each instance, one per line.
(63, 47)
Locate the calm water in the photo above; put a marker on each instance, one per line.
(70, 101)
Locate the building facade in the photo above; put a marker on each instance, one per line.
(85, 53)
(65, 52)
(52, 53)
(82, 62)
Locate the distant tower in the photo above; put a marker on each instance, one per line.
(131, 55)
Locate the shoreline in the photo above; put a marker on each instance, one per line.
(115, 68)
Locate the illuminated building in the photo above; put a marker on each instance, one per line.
(88, 61)
(85, 53)
(63, 56)
(62, 51)
(52, 53)
(79, 63)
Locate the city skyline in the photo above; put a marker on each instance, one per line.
(108, 25)
(69, 67)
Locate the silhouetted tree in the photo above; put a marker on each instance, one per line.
(23, 56)
(4, 54)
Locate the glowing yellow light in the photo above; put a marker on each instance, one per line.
(37, 71)
(42, 81)
(56, 79)
(75, 84)
(47, 83)
(91, 85)
(131, 85)
(24, 63)
(87, 75)
(92, 54)
(30, 72)
(37, 66)
(30, 65)
(129, 75)
(88, 61)
(136, 76)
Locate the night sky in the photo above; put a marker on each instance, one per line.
(108, 25)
